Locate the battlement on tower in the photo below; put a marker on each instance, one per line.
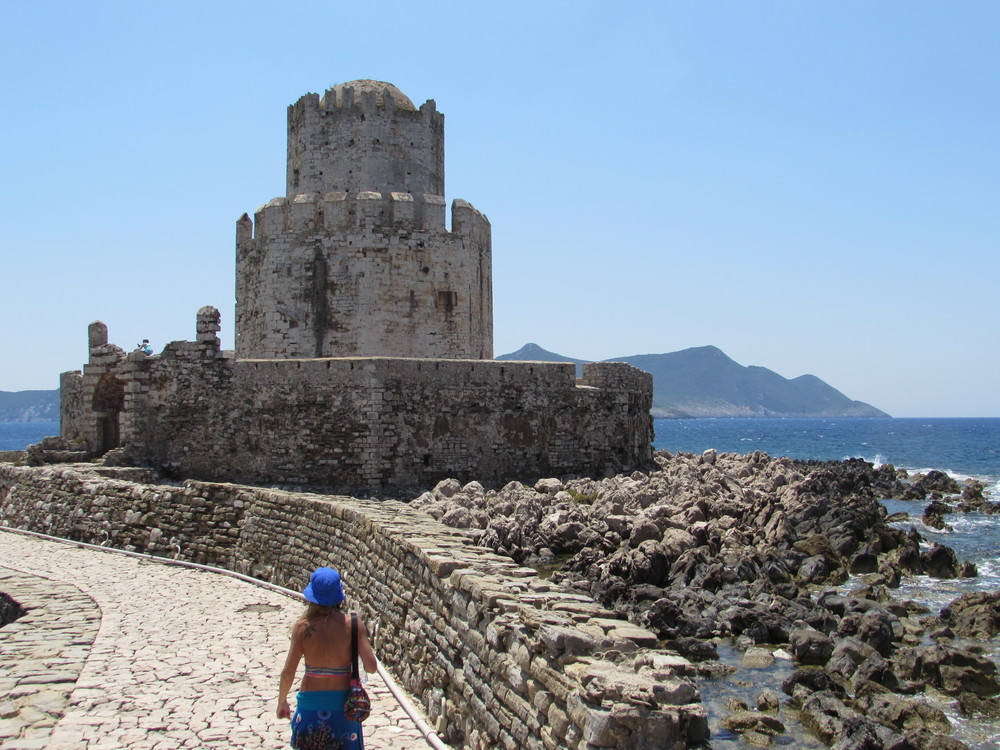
(338, 210)
(364, 135)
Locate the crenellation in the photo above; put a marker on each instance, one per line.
(304, 212)
(401, 210)
(368, 209)
(272, 218)
(468, 222)
(244, 230)
(432, 212)
(336, 212)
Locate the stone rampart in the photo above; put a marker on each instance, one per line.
(358, 422)
(498, 657)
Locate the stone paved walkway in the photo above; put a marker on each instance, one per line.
(120, 652)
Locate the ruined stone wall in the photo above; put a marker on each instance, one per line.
(364, 274)
(381, 422)
(513, 661)
(71, 411)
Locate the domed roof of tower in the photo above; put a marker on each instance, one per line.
(365, 85)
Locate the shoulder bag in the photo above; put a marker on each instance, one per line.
(358, 705)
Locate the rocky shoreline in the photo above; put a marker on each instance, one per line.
(785, 560)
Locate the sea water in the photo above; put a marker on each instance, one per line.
(16, 436)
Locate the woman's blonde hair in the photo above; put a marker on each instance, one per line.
(318, 610)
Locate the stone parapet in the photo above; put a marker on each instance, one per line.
(383, 422)
(338, 210)
(498, 657)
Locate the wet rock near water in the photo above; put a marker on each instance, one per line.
(751, 548)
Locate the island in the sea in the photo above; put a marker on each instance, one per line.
(694, 383)
(702, 382)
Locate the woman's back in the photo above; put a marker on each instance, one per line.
(326, 648)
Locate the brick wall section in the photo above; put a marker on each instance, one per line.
(517, 662)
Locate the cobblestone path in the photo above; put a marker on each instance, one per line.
(120, 652)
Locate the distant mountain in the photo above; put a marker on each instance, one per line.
(704, 382)
(535, 353)
(29, 406)
(698, 382)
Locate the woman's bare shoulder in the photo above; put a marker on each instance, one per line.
(299, 629)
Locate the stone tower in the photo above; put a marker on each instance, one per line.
(356, 260)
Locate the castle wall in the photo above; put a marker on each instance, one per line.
(385, 422)
(496, 656)
(364, 274)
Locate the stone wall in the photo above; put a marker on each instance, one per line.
(375, 422)
(498, 657)
(385, 422)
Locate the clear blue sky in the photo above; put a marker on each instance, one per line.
(810, 186)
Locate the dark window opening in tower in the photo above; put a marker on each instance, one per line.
(447, 301)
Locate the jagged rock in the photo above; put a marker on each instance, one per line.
(934, 515)
(694, 649)
(849, 654)
(768, 700)
(873, 627)
(975, 615)
(938, 481)
(805, 681)
(940, 562)
(824, 714)
(924, 739)
(548, 486)
(905, 714)
(971, 704)
(950, 669)
(743, 721)
(810, 646)
(447, 488)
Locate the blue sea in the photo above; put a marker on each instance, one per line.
(16, 436)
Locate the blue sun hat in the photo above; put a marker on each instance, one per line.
(325, 588)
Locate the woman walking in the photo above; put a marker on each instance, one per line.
(322, 635)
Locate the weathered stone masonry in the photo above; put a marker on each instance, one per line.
(360, 422)
(355, 260)
(513, 661)
(363, 338)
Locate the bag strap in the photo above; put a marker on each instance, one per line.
(354, 646)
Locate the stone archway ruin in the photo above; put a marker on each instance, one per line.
(107, 405)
